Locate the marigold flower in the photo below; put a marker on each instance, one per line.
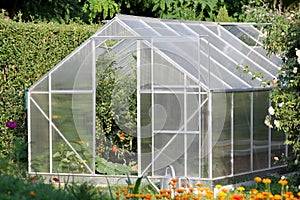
(257, 179)
(165, 191)
(277, 197)
(218, 186)
(298, 194)
(254, 191)
(283, 182)
(131, 186)
(32, 193)
(180, 190)
(241, 189)
(199, 184)
(266, 181)
(222, 194)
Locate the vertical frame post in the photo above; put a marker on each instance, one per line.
(138, 121)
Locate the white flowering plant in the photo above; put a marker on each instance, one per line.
(282, 38)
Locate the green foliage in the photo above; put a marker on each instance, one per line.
(116, 113)
(28, 51)
(100, 9)
(223, 15)
(62, 11)
(65, 160)
(105, 167)
(190, 9)
(283, 39)
(14, 188)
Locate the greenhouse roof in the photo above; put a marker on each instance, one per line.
(207, 52)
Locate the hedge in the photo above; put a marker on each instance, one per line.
(27, 52)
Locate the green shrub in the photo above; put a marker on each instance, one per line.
(28, 51)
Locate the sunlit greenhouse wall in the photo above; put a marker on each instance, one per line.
(60, 120)
(241, 142)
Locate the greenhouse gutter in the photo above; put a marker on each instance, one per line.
(254, 89)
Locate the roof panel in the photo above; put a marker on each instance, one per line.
(227, 46)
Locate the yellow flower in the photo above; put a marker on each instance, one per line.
(222, 194)
(241, 189)
(131, 186)
(257, 179)
(266, 181)
(277, 196)
(218, 186)
(283, 182)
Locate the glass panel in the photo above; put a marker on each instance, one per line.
(145, 66)
(114, 28)
(76, 71)
(62, 116)
(161, 29)
(193, 110)
(221, 128)
(65, 159)
(72, 116)
(169, 150)
(204, 138)
(39, 135)
(43, 102)
(242, 128)
(278, 147)
(260, 131)
(140, 28)
(192, 153)
(43, 85)
(168, 111)
(146, 131)
(165, 73)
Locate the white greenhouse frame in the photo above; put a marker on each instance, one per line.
(188, 83)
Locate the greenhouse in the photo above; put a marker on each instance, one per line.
(143, 94)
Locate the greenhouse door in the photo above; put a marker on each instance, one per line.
(171, 103)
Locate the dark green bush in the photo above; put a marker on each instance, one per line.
(28, 51)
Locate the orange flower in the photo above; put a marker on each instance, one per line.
(277, 197)
(298, 194)
(165, 191)
(131, 186)
(257, 179)
(32, 193)
(266, 181)
(199, 184)
(180, 190)
(283, 182)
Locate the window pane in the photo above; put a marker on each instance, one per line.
(242, 133)
(260, 131)
(221, 128)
